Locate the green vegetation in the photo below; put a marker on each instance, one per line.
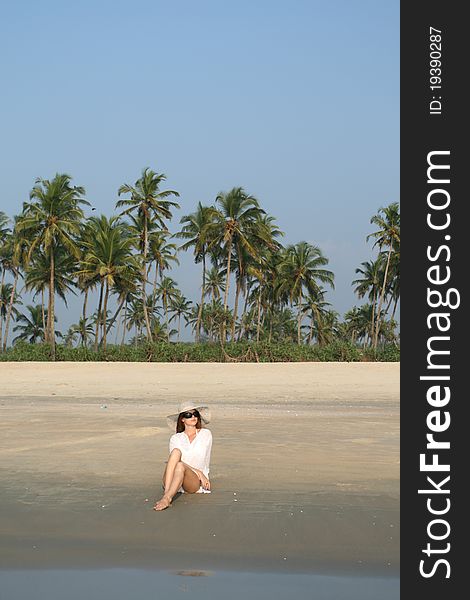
(258, 300)
(204, 352)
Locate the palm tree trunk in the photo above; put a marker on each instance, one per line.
(201, 305)
(227, 285)
(105, 311)
(389, 303)
(227, 278)
(1, 318)
(166, 318)
(179, 326)
(259, 315)
(310, 333)
(144, 278)
(395, 307)
(43, 313)
(299, 318)
(379, 316)
(154, 291)
(124, 324)
(98, 317)
(374, 302)
(118, 331)
(50, 313)
(245, 305)
(10, 309)
(393, 313)
(115, 316)
(235, 309)
(85, 300)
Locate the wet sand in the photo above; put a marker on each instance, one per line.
(139, 584)
(304, 469)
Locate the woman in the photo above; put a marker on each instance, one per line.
(187, 469)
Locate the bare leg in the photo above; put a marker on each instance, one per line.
(173, 460)
(169, 475)
(178, 476)
(182, 475)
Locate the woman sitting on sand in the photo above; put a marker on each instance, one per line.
(187, 469)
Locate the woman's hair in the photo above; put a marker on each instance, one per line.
(180, 424)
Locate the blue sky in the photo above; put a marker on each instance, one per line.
(296, 101)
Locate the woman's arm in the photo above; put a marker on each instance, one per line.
(206, 484)
(207, 457)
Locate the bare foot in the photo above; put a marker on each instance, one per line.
(162, 504)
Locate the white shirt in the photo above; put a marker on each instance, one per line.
(197, 453)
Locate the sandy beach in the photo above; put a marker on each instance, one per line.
(305, 466)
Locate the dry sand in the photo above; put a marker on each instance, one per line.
(305, 466)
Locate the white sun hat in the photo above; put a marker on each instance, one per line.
(189, 405)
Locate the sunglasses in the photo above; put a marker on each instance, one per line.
(189, 414)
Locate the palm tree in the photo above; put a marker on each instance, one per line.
(5, 266)
(7, 308)
(51, 222)
(168, 292)
(159, 250)
(326, 327)
(135, 316)
(257, 273)
(315, 306)
(125, 288)
(5, 233)
(287, 325)
(214, 320)
(180, 307)
(160, 332)
(357, 322)
(86, 283)
(83, 330)
(197, 230)
(262, 233)
(351, 325)
(31, 327)
(387, 236)
(214, 284)
(246, 327)
(37, 277)
(14, 258)
(162, 253)
(150, 204)
(71, 336)
(394, 286)
(4, 229)
(372, 274)
(301, 270)
(237, 227)
(271, 298)
(109, 255)
(97, 320)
